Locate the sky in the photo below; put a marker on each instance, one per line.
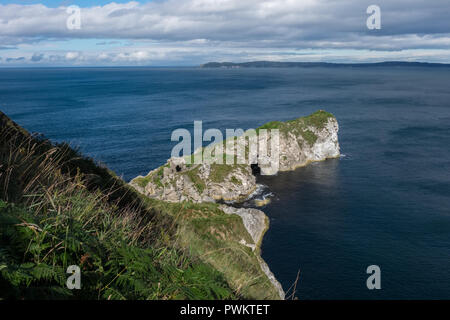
(192, 32)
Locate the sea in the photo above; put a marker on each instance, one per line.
(385, 202)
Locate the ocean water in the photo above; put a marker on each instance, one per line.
(386, 202)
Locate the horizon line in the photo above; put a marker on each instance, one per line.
(227, 62)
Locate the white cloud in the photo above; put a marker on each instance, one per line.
(195, 29)
(72, 55)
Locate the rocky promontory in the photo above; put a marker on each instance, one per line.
(301, 141)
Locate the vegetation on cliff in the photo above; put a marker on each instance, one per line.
(302, 126)
(58, 208)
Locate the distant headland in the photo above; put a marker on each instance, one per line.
(279, 64)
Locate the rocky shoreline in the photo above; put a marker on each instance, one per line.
(301, 141)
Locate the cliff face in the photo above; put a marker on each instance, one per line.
(176, 182)
(313, 138)
(307, 139)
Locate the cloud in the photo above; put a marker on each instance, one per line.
(176, 29)
(37, 57)
(105, 43)
(309, 23)
(15, 59)
(72, 55)
(7, 48)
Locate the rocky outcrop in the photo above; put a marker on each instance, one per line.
(177, 181)
(307, 139)
(317, 141)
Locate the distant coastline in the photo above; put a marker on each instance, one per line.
(279, 64)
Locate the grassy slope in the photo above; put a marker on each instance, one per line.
(58, 208)
(214, 237)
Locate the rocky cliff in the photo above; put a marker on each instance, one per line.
(308, 139)
(303, 140)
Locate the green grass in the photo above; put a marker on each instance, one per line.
(236, 180)
(272, 125)
(318, 119)
(153, 177)
(219, 172)
(301, 125)
(58, 208)
(143, 181)
(309, 137)
(199, 184)
(36, 250)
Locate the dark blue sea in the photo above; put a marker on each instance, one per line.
(386, 202)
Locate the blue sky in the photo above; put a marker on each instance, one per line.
(191, 32)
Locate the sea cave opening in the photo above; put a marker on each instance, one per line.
(256, 170)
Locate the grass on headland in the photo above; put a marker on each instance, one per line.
(153, 177)
(199, 184)
(301, 125)
(219, 172)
